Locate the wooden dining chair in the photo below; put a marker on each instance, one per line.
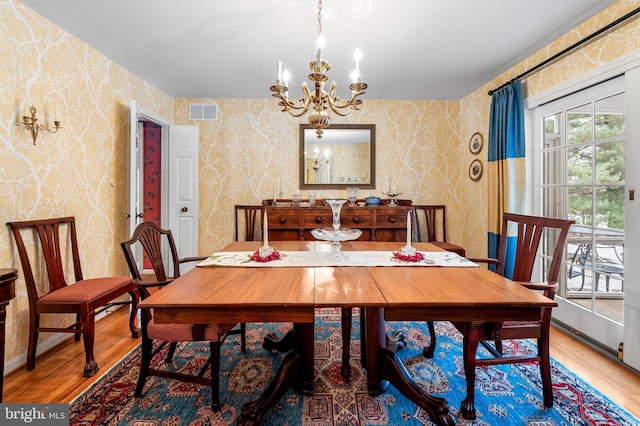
(531, 231)
(249, 216)
(54, 241)
(430, 225)
(152, 242)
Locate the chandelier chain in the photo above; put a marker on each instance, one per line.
(319, 17)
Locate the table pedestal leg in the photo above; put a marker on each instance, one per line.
(295, 371)
(383, 366)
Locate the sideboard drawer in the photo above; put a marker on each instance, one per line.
(392, 220)
(356, 220)
(280, 220)
(318, 220)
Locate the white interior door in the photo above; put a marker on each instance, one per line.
(134, 170)
(183, 188)
(179, 178)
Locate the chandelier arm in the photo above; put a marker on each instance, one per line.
(290, 107)
(352, 103)
(296, 114)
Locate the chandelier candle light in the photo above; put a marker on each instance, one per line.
(321, 100)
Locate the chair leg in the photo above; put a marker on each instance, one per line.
(428, 351)
(171, 352)
(468, 407)
(88, 323)
(363, 337)
(582, 283)
(34, 324)
(76, 336)
(243, 337)
(545, 368)
(145, 361)
(135, 330)
(345, 371)
(498, 345)
(215, 375)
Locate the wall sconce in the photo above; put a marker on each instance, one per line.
(31, 124)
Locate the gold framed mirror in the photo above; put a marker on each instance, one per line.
(344, 157)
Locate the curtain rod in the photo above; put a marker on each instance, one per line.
(568, 49)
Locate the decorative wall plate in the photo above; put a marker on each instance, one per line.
(475, 170)
(475, 143)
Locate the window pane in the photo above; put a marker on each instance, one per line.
(553, 201)
(579, 125)
(552, 137)
(579, 203)
(554, 167)
(610, 207)
(610, 117)
(579, 165)
(610, 165)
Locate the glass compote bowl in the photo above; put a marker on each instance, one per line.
(393, 198)
(336, 234)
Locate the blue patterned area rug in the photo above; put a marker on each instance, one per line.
(505, 395)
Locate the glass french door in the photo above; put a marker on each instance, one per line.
(582, 160)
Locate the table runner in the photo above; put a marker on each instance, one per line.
(319, 259)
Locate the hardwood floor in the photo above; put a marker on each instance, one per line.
(58, 373)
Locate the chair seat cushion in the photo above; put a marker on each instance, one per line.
(184, 332)
(87, 290)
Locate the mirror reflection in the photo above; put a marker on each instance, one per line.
(343, 157)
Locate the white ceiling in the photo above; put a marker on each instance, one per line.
(412, 49)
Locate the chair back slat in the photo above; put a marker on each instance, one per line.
(150, 238)
(250, 216)
(434, 222)
(530, 232)
(48, 232)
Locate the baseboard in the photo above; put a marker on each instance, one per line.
(592, 344)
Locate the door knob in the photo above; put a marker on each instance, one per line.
(140, 215)
(184, 209)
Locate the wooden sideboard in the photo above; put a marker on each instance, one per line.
(7, 292)
(377, 223)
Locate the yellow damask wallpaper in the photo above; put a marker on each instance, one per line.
(81, 170)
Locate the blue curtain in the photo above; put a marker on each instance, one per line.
(506, 164)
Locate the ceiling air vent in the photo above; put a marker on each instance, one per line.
(203, 111)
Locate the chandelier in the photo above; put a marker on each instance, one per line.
(318, 99)
(316, 161)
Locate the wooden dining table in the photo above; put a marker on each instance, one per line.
(236, 294)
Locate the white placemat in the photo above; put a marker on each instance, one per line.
(354, 258)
